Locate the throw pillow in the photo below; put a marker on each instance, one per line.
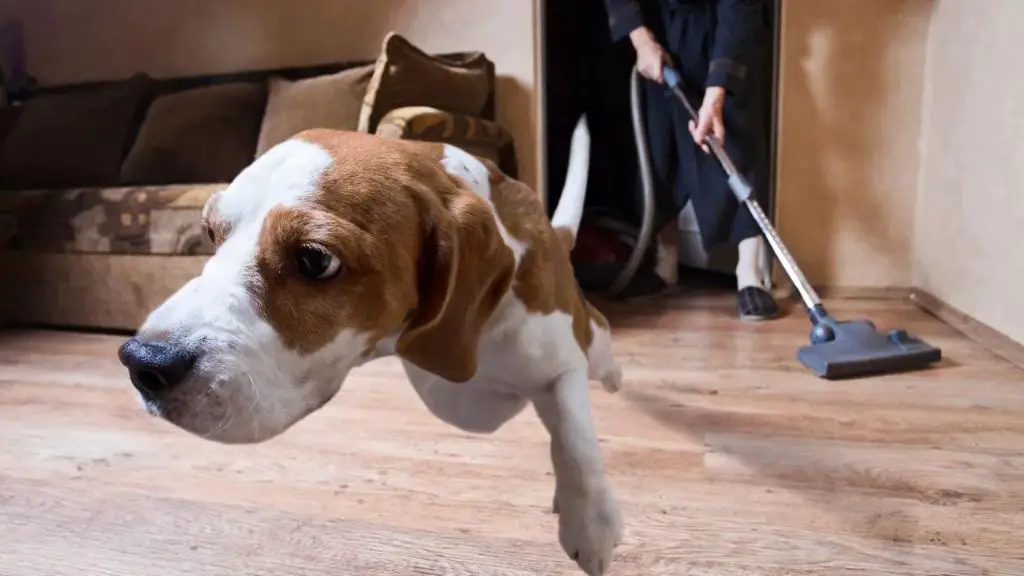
(329, 101)
(75, 138)
(404, 75)
(8, 115)
(198, 135)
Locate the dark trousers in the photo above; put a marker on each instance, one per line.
(682, 170)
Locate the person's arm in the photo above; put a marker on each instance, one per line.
(624, 16)
(738, 27)
(625, 19)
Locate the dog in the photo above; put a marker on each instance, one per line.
(336, 248)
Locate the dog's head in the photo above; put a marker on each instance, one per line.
(331, 248)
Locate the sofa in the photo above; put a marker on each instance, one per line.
(102, 184)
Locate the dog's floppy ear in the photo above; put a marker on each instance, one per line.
(465, 269)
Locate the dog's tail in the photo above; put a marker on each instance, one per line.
(569, 212)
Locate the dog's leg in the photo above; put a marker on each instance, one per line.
(603, 366)
(589, 521)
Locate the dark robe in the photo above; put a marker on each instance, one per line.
(725, 43)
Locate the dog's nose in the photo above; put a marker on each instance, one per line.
(155, 367)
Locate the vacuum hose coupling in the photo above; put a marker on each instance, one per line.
(822, 325)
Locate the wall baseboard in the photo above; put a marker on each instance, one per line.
(785, 289)
(998, 343)
(991, 339)
(865, 292)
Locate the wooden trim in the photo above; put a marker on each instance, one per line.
(992, 339)
(865, 292)
(777, 276)
(540, 99)
(776, 131)
(784, 287)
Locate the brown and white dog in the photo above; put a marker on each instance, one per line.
(336, 248)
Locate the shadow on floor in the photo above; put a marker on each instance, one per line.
(808, 469)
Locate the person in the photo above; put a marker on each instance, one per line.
(722, 50)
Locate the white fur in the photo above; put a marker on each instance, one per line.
(240, 377)
(523, 357)
(569, 211)
(283, 176)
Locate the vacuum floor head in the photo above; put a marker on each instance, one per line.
(856, 348)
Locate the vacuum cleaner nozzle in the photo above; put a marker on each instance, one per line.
(856, 348)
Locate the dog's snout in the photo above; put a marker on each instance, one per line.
(155, 367)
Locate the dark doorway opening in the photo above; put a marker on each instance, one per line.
(585, 71)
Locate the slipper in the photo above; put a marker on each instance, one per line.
(756, 304)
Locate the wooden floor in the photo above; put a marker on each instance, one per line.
(728, 457)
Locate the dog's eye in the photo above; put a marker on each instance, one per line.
(316, 263)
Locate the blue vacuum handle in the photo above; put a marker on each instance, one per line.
(671, 76)
(674, 80)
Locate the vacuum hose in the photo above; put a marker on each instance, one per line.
(643, 155)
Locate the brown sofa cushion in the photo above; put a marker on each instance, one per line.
(329, 101)
(8, 115)
(404, 75)
(198, 135)
(76, 138)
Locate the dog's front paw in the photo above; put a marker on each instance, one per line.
(612, 381)
(589, 527)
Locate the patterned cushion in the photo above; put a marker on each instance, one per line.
(161, 220)
(404, 75)
(477, 136)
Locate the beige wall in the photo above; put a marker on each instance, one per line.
(851, 79)
(76, 40)
(902, 129)
(970, 209)
(900, 119)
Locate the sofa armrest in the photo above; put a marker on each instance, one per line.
(475, 135)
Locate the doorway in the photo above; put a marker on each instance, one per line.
(581, 68)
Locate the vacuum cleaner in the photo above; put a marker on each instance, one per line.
(838, 349)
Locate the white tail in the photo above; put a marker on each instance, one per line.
(569, 211)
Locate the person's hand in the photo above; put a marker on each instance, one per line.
(650, 56)
(709, 118)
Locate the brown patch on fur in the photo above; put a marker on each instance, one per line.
(415, 247)
(545, 281)
(309, 314)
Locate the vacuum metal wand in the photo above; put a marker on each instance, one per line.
(743, 192)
